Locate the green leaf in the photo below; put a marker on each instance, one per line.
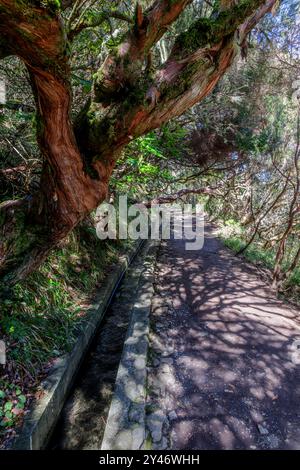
(8, 406)
(22, 398)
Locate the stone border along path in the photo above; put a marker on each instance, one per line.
(44, 413)
(83, 419)
(126, 427)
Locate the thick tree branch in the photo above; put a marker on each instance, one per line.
(168, 199)
(125, 110)
(15, 105)
(196, 64)
(97, 20)
(128, 101)
(67, 193)
(16, 169)
(116, 72)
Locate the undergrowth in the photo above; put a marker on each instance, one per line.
(233, 237)
(42, 317)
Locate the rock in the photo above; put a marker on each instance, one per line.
(124, 440)
(172, 415)
(164, 443)
(167, 352)
(156, 436)
(138, 437)
(136, 413)
(140, 362)
(263, 431)
(155, 423)
(167, 360)
(165, 368)
(220, 410)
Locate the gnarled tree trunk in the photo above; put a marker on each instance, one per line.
(128, 100)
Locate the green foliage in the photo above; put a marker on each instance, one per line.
(12, 404)
(234, 238)
(208, 31)
(264, 138)
(52, 4)
(294, 279)
(251, 114)
(254, 253)
(43, 316)
(41, 319)
(143, 169)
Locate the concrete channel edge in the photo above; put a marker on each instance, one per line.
(45, 412)
(126, 423)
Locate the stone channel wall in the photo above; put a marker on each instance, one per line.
(45, 412)
(126, 422)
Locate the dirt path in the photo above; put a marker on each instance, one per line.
(221, 372)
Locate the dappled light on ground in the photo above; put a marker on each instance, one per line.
(222, 348)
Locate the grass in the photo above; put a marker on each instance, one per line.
(232, 236)
(254, 254)
(43, 316)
